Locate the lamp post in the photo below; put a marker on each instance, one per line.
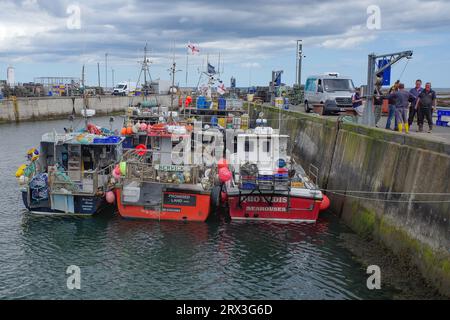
(299, 62)
(106, 71)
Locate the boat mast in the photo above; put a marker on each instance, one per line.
(84, 99)
(172, 71)
(172, 88)
(145, 69)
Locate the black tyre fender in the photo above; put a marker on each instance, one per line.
(215, 201)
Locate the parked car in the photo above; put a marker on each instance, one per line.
(331, 90)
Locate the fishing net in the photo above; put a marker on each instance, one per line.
(30, 170)
(39, 187)
(249, 169)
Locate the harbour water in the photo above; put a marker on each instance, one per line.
(125, 259)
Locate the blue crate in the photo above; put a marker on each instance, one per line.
(248, 186)
(443, 112)
(107, 140)
(442, 123)
(128, 143)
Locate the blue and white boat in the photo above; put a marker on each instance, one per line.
(70, 174)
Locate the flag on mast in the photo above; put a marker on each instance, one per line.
(193, 49)
(221, 88)
(211, 69)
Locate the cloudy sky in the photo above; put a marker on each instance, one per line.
(46, 38)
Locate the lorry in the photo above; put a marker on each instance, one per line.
(331, 90)
(124, 88)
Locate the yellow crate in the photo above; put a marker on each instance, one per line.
(297, 184)
(222, 122)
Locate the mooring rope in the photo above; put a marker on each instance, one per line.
(390, 200)
(389, 192)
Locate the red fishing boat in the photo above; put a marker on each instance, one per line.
(267, 184)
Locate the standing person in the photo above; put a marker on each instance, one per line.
(378, 103)
(357, 102)
(425, 105)
(402, 98)
(392, 103)
(414, 95)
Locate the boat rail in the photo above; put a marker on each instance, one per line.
(142, 167)
(89, 183)
(173, 174)
(313, 173)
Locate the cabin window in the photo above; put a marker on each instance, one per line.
(248, 146)
(88, 161)
(266, 146)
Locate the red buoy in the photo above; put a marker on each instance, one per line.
(222, 163)
(325, 203)
(225, 175)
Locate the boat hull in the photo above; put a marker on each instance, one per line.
(178, 206)
(273, 207)
(83, 206)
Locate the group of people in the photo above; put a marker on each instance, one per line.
(403, 105)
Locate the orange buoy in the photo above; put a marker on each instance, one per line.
(325, 203)
(129, 130)
(123, 131)
(188, 101)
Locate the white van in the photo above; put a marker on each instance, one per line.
(124, 88)
(331, 90)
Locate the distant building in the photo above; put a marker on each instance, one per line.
(59, 86)
(2, 86)
(10, 78)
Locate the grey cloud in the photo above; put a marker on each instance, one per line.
(123, 26)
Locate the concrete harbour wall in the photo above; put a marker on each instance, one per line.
(29, 109)
(351, 157)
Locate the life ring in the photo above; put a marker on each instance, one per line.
(141, 149)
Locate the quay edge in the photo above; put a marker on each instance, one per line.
(50, 108)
